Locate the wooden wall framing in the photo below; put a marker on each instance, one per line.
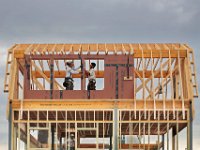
(164, 88)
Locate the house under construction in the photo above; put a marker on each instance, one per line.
(144, 96)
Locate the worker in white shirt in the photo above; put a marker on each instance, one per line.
(70, 70)
(91, 77)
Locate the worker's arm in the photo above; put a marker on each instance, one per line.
(87, 73)
(75, 69)
(72, 71)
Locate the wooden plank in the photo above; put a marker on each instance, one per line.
(155, 54)
(100, 74)
(143, 81)
(171, 79)
(45, 77)
(62, 74)
(95, 104)
(181, 84)
(118, 47)
(147, 80)
(38, 84)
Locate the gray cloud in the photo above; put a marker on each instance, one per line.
(68, 20)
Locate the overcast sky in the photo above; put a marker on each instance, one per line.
(65, 21)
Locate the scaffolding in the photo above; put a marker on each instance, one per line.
(144, 97)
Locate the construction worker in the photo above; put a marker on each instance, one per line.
(71, 142)
(91, 77)
(70, 69)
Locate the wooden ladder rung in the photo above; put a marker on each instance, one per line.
(192, 67)
(6, 91)
(195, 96)
(7, 74)
(191, 51)
(10, 51)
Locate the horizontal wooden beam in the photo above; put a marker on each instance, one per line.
(99, 74)
(135, 49)
(62, 74)
(123, 146)
(159, 53)
(96, 104)
(137, 54)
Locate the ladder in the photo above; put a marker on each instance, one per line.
(8, 67)
(193, 78)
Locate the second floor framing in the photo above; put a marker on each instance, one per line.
(124, 71)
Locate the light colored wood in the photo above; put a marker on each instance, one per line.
(38, 84)
(9, 63)
(116, 48)
(152, 75)
(105, 104)
(162, 83)
(171, 79)
(62, 74)
(181, 85)
(167, 65)
(143, 81)
(39, 71)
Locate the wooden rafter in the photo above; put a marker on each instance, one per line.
(123, 48)
(45, 77)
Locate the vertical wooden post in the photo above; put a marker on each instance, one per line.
(191, 128)
(181, 85)
(144, 135)
(26, 75)
(52, 137)
(172, 83)
(10, 134)
(177, 130)
(76, 135)
(28, 131)
(97, 135)
(139, 129)
(51, 78)
(111, 131)
(78, 141)
(153, 90)
(149, 132)
(14, 138)
(168, 130)
(120, 128)
(61, 142)
(173, 138)
(158, 129)
(163, 142)
(130, 131)
(19, 136)
(115, 134)
(143, 82)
